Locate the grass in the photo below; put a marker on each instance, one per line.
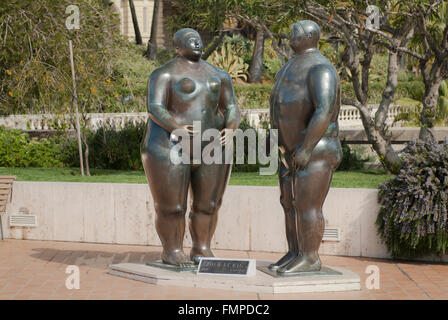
(341, 179)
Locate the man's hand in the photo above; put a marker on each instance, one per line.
(301, 158)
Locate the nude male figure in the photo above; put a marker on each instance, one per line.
(305, 103)
(184, 90)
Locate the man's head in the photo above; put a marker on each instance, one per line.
(304, 35)
(188, 44)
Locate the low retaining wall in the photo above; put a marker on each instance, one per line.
(250, 218)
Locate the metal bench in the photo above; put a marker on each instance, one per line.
(5, 194)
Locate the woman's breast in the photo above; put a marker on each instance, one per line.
(193, 100)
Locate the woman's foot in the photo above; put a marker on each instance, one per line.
(287, 258)
(197, 253)
(177, 258)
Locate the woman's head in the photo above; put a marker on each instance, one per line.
(188, 44)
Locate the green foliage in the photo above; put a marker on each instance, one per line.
(410, 89)
(36, 75)
(164, 55)
(206, 15)
(35, 72)
(120, 149)
(18, 150)
(130, 78)
(351, 160)
(271, 61)
(109, 148)
(341, 179)
(253, 96)
(413, 206)
(212, 14)
(246, 167)
(229, 57)
(412, 109)
(442, 104)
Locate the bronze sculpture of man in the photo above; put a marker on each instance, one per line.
(184, 90)
(304, 107)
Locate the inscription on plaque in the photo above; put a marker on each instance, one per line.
(217, 266)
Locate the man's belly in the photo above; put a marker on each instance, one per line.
(291, 134)
(291, 119)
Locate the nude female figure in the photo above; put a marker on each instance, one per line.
(184, 90)
(305, 104)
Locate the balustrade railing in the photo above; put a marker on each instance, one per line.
(349, 117)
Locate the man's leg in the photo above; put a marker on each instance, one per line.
(310, 189)
(286, 200)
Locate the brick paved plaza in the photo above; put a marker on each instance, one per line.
(36, 270)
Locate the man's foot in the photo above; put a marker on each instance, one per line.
(177, 258)
(197, 253)
(300, 264)
(287, 258)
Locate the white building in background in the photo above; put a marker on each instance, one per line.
(144, 10)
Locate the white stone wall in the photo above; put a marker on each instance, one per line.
(250, 218)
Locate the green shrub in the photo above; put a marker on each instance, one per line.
(109, 148)
(413, 206)
(253, 96)
(229, 56)
(120, 149)
(410, 89)
(246, 167)
(351, 160)
(18, 150)
(271, 62)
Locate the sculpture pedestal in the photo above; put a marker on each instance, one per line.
(260, 283)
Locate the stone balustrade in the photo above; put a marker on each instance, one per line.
(349, 117)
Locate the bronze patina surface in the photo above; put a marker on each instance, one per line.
(305, 103)
(184, 90)
(324, 271)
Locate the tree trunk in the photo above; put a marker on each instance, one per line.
(75, 107)
(388, 92)
(375, 129)
(138, 36)
(429, 111)
(383, 147)
(256, 65)
(151, 51)
(378, 138)
(212, 47)
(86, 152)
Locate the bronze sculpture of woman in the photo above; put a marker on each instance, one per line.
(184, 90)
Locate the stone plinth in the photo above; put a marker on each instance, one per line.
(261, 283)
